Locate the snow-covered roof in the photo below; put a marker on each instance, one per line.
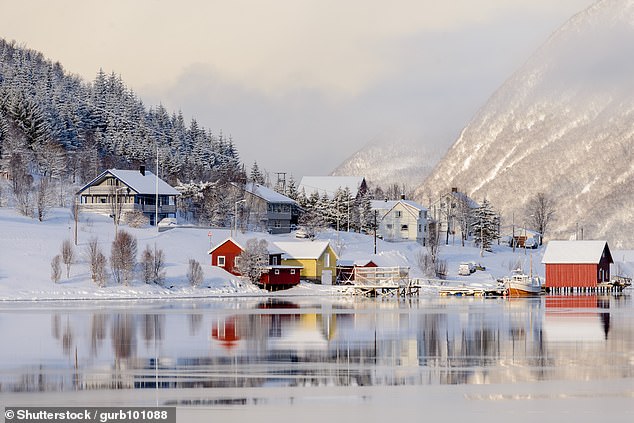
(575, 252)
(330, 184)
(382, 204)
(303, 249)
(223, 242)
(138, 182)
(267, 194)
(387, 206)
(241, 240)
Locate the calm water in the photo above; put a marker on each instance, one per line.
(246, 353)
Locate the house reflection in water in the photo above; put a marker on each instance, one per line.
(330, 342)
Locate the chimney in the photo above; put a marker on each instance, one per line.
(402, 196)
(142, 169)
(454, 189)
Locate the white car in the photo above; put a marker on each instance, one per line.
(464, 269)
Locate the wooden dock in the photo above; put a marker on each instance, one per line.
(473, 291)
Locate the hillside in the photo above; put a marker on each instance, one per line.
(52, 123)
(563, 124)
(391, 159)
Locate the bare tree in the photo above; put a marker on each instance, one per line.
(43, 199)
(152, 265)
(123, 257)
(117, 196)
(97, 262)
(158, 269)
(253, 259)
(540, 211)
(56, 269)
(68, 255)
(433, 242)
(194, 273)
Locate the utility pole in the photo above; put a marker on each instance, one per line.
(375, 211)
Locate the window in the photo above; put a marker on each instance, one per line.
(327, 260)
(274, 261)
(236, 261)
(389, 226)
(404, 227)
(221, 261)
(397, 214)
(277, 271)
(292, 271)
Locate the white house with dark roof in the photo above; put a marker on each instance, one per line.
(266, 209)
(401, 220)
(131, 190)
(328, 185)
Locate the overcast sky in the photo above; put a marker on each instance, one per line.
(299, 85)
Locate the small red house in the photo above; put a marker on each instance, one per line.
(274, 276)
(577, 264)
(224, 255)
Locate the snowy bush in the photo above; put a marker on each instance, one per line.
(194, 273)
(123, 257)
(56, 269)
(136, 219)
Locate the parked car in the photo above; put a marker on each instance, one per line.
(464, 269)
(531, 243)
(302, 233)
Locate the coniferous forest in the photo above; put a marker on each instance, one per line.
(53, 123)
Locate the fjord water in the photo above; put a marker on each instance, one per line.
(352, 358)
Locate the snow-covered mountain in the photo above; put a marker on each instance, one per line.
(563, 124)
(390, 159)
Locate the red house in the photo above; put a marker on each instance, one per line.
(224, 255)
(274, 276)
(577, 264)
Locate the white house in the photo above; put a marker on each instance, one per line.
(401, 220)
(453, 213)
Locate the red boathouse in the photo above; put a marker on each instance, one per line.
(577, 264)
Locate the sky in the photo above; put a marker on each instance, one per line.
(300, 85)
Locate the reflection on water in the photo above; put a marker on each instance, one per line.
(312, 342)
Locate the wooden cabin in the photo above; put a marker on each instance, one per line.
(577, 264)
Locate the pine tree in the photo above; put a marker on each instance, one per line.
(291, 189)
(256, 175)
(485, 226)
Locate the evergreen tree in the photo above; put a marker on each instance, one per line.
(485, 226)
(256, 175)
(291, 189)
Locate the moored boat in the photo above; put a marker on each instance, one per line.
(520, 284)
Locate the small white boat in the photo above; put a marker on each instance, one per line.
(520, 284)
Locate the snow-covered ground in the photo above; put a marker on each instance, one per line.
(27, 247)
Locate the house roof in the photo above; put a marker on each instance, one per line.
(223, 242)
(576, 252)
(267, 194)
(411, 206)
(271, 248)
(303, 250)
(137, 182)
(330, 184)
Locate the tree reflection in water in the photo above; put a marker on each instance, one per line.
(246, 343)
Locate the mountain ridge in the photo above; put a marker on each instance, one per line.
(561, 124)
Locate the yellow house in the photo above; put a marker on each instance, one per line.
(317, 258)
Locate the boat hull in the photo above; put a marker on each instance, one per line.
(515, 291)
